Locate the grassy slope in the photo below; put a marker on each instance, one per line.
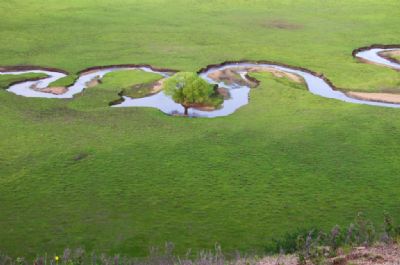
(191, 34)
(289, 159)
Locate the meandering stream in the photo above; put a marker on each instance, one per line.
(239, 94)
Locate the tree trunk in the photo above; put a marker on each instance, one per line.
(186, 110)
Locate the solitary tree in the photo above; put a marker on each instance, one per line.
(189, 90)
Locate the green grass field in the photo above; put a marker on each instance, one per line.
(77, 173)
(397, 57)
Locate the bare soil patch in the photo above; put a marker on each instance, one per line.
(379, 97)
(203, 107)
(94, 82)
(223, 91)
(231, 75)
(380, 254)
(157, 86)
(144, 90)
(391, 55)
(54, 90)
(282, 24)
(277, 73)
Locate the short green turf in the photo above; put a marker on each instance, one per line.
(66, 81)
(77, 173)
(397, 57)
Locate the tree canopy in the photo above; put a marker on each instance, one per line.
(188, 89)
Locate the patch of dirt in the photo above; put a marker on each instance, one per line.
(94, 82)
(379, 254)
(80, 156)
(379, 97)
(203, 107)
(144, 89)
(86, 72)
(231, 75)
(276, 260)
(52, 90)
(55, 90)
(157, 86)
(223, 91)
(277, 73)
(282, 24)
(391, 55)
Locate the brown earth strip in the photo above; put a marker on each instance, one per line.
(94, 82)
(391, 55)
(378, 97)
(223, 91)
(54, 90)
(203, 107)
(230, 76)
(157, 86)
(379, 254)
(277, 73)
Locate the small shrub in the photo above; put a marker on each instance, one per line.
(287, 243)
(365, 230)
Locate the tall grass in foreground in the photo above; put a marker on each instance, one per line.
(311, 247)
(156, 257)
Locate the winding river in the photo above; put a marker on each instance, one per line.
(239, 94)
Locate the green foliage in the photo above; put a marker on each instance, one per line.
(189, 90)
(388, 226)
(301, 254)
(316, 248)
(289, 242)
(366, 233)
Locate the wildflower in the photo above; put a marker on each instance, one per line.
(56, 258)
